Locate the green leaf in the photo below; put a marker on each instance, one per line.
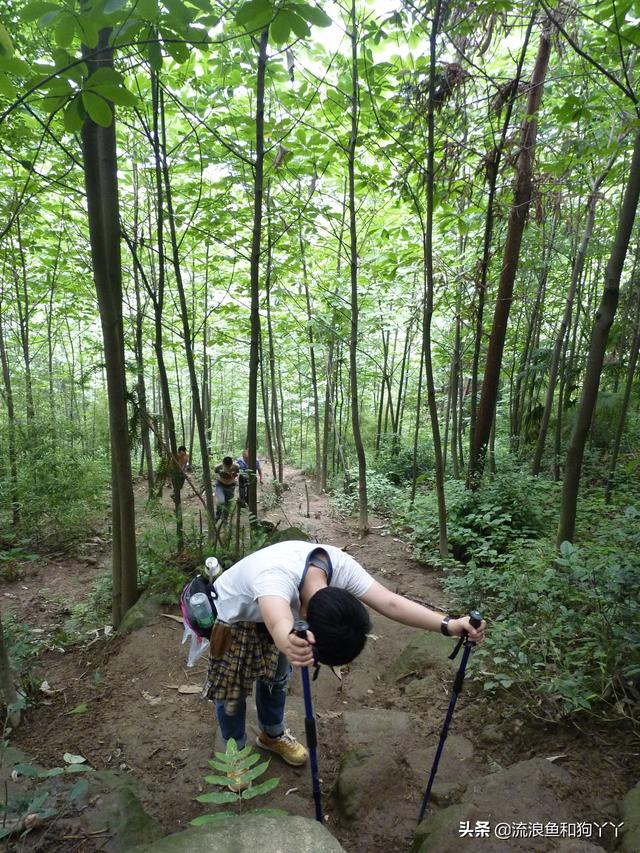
(250, 775)
(112, 6)
(13, 65)
(79, 768)
(313, 14)
(218, 797)
(6, 45)
(89, 32)
(7, 88)
(147, 9)
(300, 27)
(54, 771)
(33, 11)
(25, 770)
(65, 30)
(566, 548)
(70, 758)
(211, 818)
(255, 14)
(217, 780)
(104, 75)
(118, 94)
(280, 28)
(176, 47)
(72, 118)
(80, 788)
(179, 12)
(262, 788)
(98, 109)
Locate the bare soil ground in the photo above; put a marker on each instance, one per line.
(137, 722)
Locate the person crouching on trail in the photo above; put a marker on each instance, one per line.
(257, 601)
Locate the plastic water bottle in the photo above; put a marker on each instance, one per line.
(214, 569)
(201, 609)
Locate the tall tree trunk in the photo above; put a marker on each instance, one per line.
(353, 263)
(576, 275)
(599, 336)
(186, 333)
(145, 419)
(493, 167)
(631, 369)
(101, 186)
(267, 419)
(254, 350)
(24, 317)
(429, 287)
(11, 427)
(416, 432)
(517, 221)
(312, 359)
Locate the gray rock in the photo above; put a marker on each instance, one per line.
(576, 845)
(116, 806)
(143, 611)
(420, 689)
(290, 534)
(447, 793)
(425, 653)
(630, 814)
(455, 761)
(249, 834)
(362, 781)
(370, 726)
(529, 791)
(490, 735)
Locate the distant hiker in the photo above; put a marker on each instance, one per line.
(257, 601)
(181, 462)
(226, 480)
(245, 474)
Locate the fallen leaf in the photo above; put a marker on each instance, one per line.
(190, 688)
(70, 758)
(556, 757)
(152, 700)
(290, 791)
(45, 687)
(79, 709)
(175, 618)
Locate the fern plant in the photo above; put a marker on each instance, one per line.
(237, 767)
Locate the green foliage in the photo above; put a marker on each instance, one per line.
(238, 767)
(61, 495)
(23, 647)
(483, 525)
(564, 633)
(382, 496)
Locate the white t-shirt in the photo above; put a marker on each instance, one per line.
(278, 570)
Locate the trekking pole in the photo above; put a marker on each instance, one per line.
(300, 628)
(475, 617)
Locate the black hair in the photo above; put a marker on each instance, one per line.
(227, 460)
(181, 448)
(340, 624)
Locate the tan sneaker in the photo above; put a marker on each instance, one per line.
(286, 746)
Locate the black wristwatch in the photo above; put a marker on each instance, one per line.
(444, 626)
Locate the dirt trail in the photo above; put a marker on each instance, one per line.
(137, 722)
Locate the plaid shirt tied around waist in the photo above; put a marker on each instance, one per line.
(238, 654)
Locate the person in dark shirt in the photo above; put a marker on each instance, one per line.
(226, 481)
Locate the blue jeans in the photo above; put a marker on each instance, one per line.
(270, 700)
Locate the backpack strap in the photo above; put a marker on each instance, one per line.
(320, 558)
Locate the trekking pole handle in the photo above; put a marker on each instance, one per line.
(475, 617)
(300, 628)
